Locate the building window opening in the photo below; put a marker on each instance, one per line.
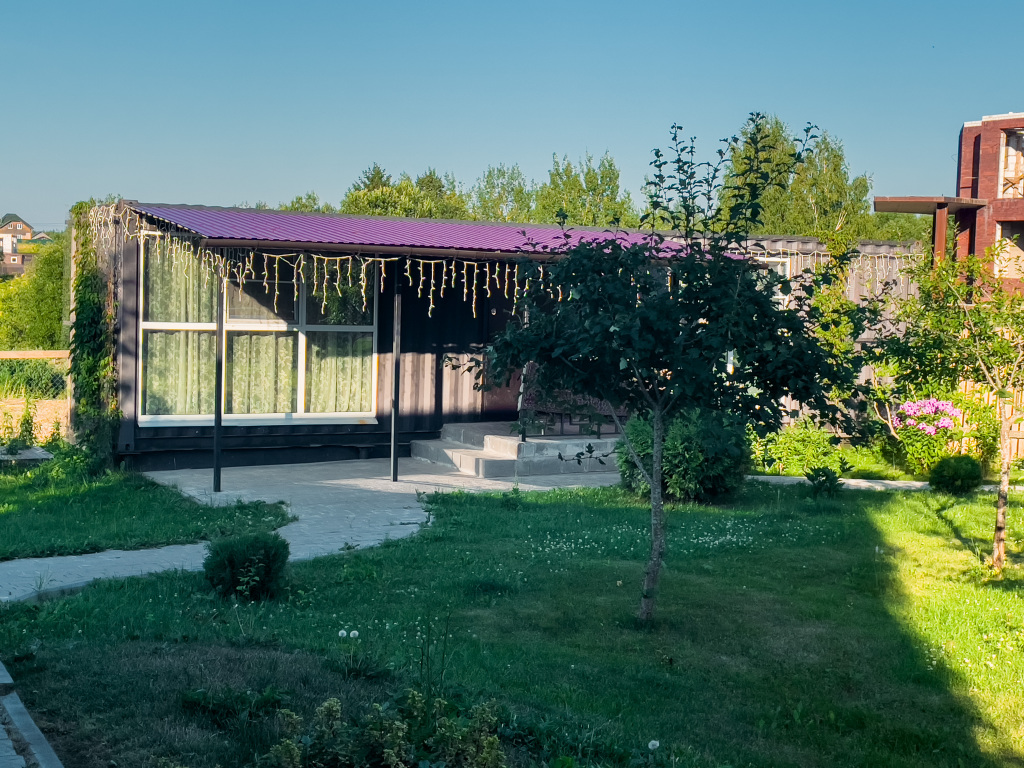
(1010, 254)
(1013, 165)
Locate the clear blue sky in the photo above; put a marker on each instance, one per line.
(223, 101)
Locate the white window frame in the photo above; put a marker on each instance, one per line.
(786, 262)
(299, 327)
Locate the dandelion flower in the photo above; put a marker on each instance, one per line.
(653, 744)
(343, 633)
(354, 634)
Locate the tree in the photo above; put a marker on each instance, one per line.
(657, 326)
(32, 305)
(585, 195)
(430, 196)
(310, 203)
(373, 177)
(965, 324)
(503, 193)
(819, 196)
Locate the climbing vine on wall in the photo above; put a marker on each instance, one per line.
(92, 343)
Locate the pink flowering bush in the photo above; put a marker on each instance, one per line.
(926, 428)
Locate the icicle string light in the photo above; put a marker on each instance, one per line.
(114, 224)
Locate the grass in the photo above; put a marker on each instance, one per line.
(44, 513)
(861, 631)
(866, 463)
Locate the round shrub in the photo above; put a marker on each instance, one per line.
(706, 454)
(250, 567)
(956, 475)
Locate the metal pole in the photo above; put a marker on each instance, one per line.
(218, 393)
(396, 373)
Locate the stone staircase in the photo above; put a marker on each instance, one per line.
(489, 449)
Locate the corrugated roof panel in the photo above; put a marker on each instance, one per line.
(368, 231)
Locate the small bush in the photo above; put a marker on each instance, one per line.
(706, 454)
(250, 567)
(413, 731)
(824, 482)
(955, 474)
(797, 449)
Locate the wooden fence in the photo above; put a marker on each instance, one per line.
(48, 413)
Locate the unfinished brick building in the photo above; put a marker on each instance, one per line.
(989, 203)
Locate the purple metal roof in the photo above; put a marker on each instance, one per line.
(365, 231)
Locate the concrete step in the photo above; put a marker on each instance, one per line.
(499, 455)
(472, 461)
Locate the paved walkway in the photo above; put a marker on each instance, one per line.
(337, 504)
(850, 483)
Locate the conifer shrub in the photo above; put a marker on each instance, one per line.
(249, 567)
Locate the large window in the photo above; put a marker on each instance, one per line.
(290, 352)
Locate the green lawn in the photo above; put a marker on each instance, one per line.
(45, 512)
(862, 631)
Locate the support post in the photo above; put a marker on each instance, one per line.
(218, 392)
(940, 226)
(396, 374)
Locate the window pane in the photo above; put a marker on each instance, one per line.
(340, 304)
(178, 290)
(275, 302)
(178, 372)
(339, 372)
(261, 372)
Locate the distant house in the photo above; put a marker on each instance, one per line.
(12, 229)
(41, 237)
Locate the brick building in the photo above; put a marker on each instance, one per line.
(989, 202)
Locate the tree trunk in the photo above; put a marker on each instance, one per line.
(652, 573)
(1002, 498)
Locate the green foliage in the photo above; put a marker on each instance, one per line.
(227, 706)
(957, 475)
(32, 306)
(411, 733)
(706, 455)
(824, 482)
(92, 345)
(430, 196)
(922, 451)
(503, 193)
(586, 194)
(797, 449)
(981, 428)
(818, 196)
(38, 379)
(249, 567)
(965, 323)
(15, 438)
(373, 177)
(310, 203)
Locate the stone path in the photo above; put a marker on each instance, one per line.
(861, 484)
(337, 504)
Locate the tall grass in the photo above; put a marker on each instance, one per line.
(35, 379)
